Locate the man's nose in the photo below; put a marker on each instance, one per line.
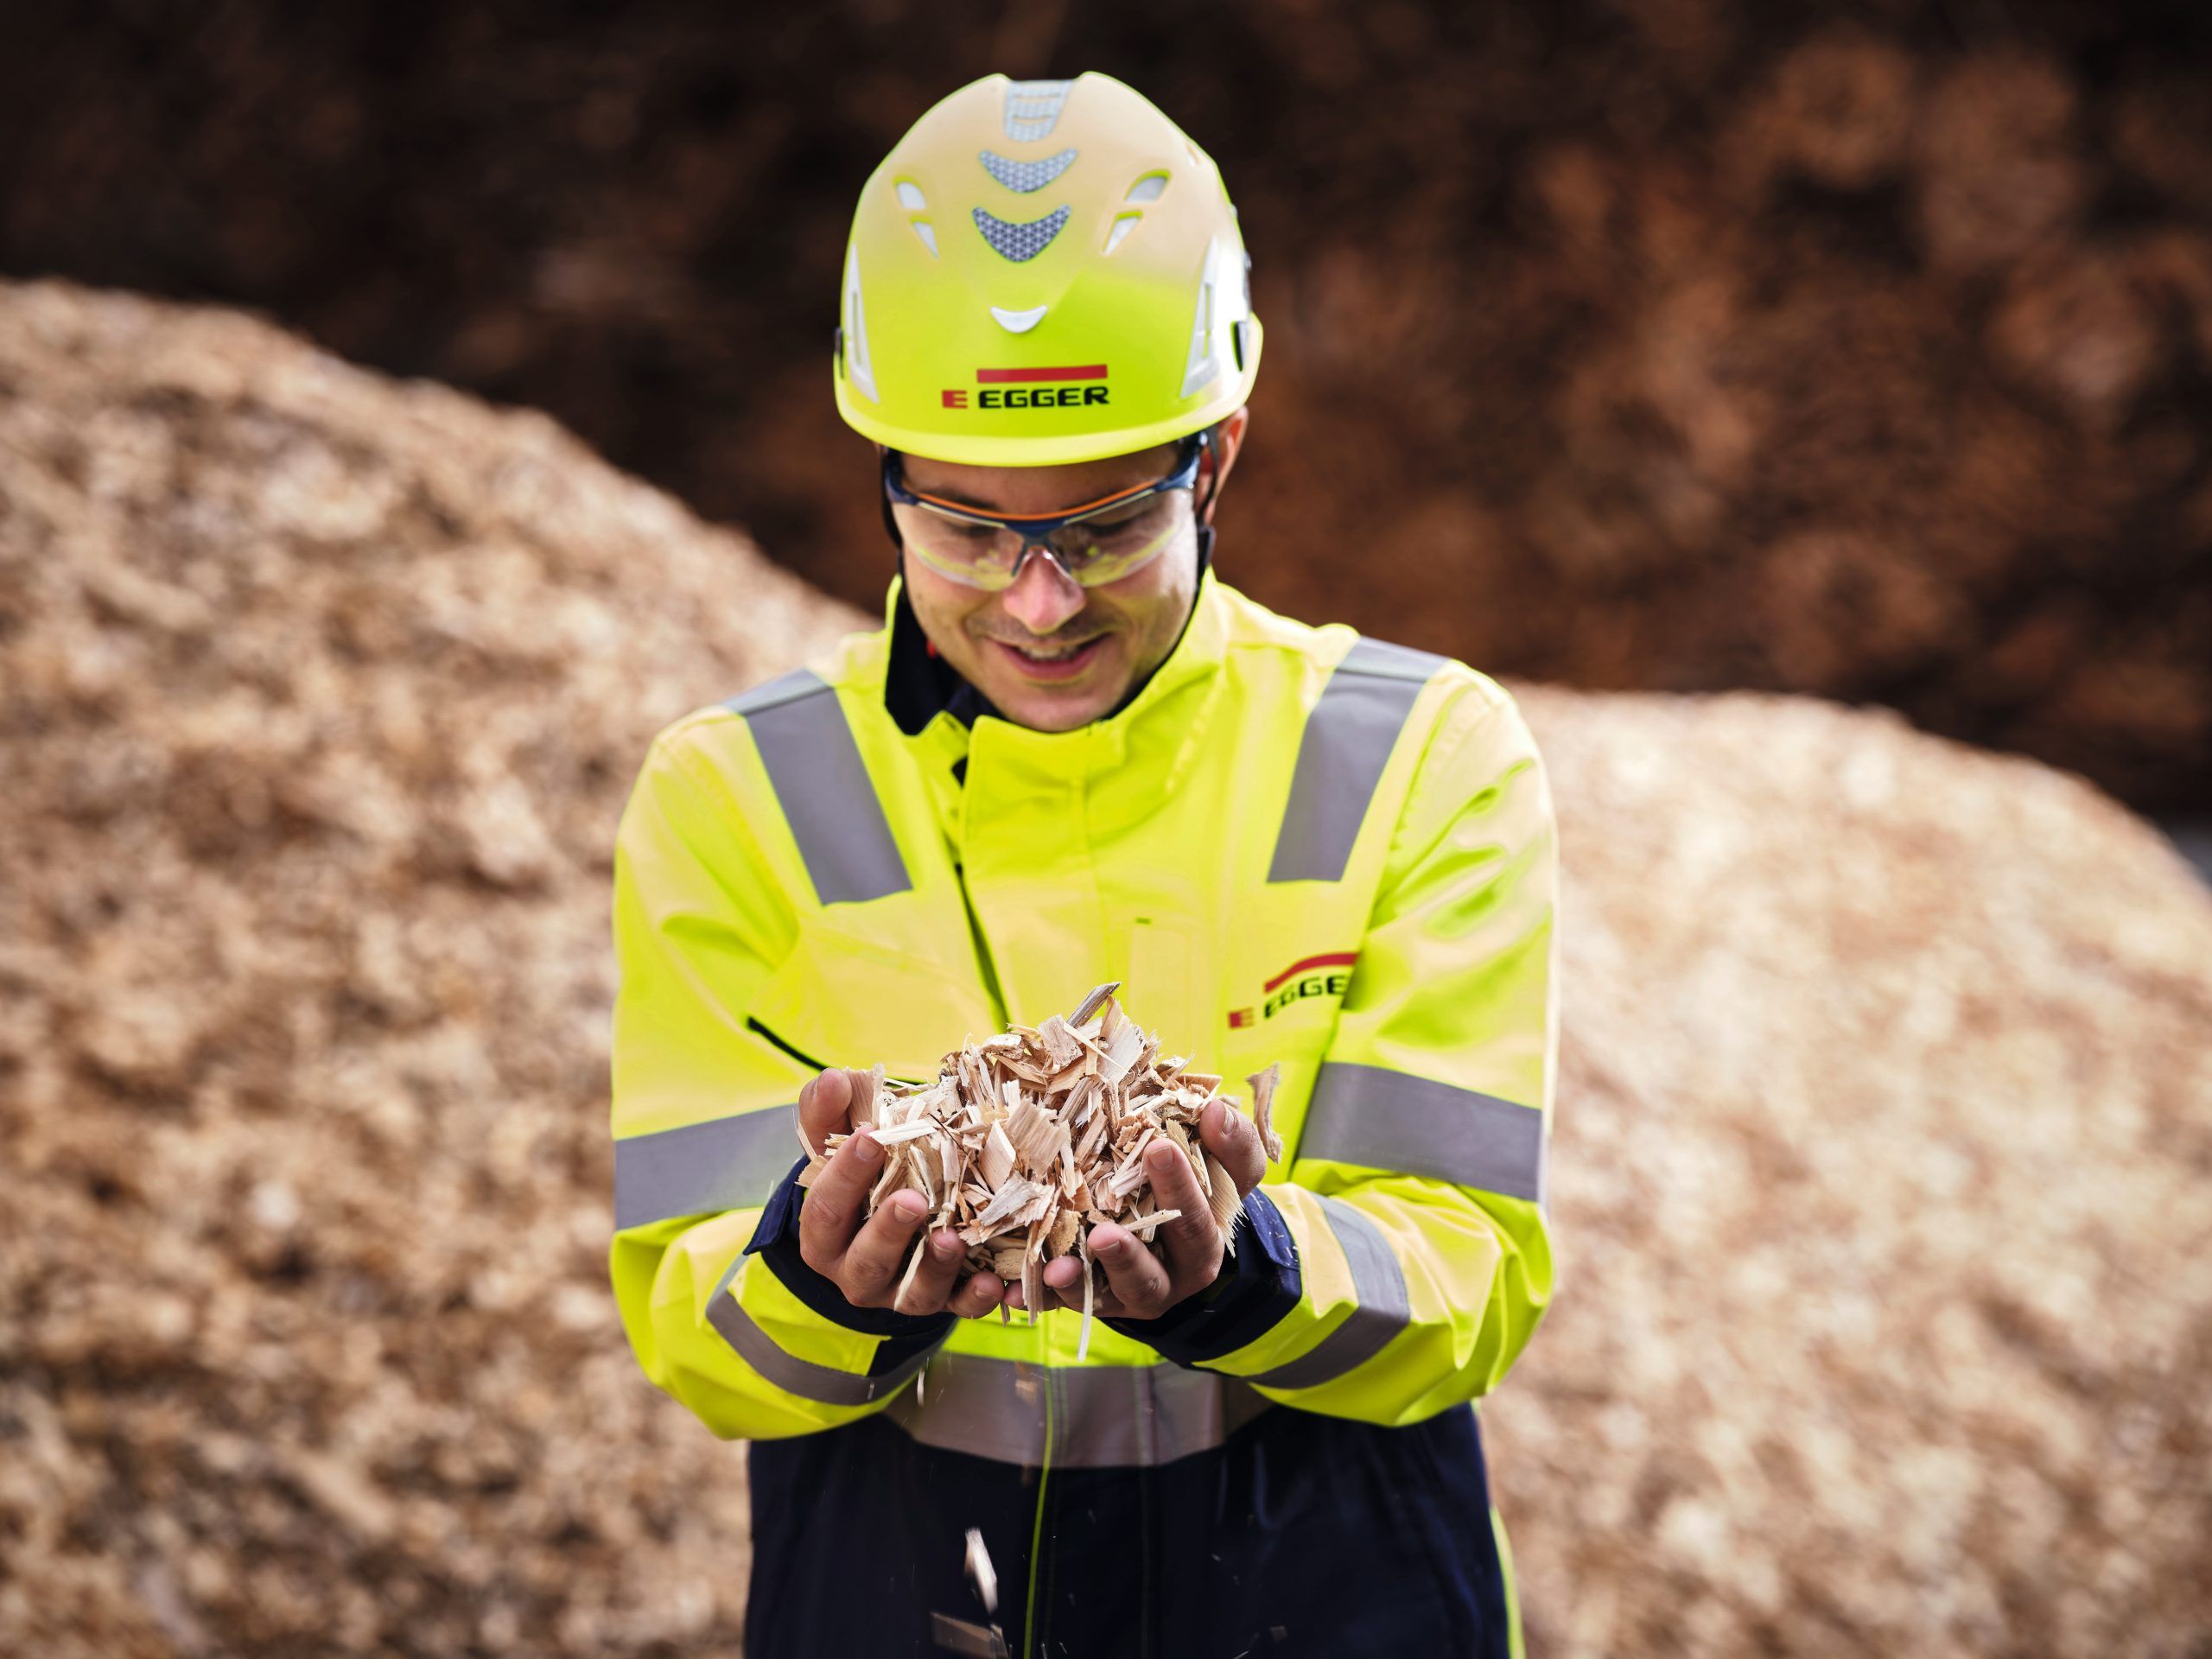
(1043, 596)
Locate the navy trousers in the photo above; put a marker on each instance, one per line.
(1300, 1535)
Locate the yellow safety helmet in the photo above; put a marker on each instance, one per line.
(1043, 271)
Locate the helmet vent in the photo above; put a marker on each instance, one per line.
(1021, 243)
(860, 362)
(924, 229)
(1148, 189)
(910, 197)
(1218, 328)
(1025, 176)
(1033, 108)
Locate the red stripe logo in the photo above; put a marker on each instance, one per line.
(1003, 376)
(1334, 959)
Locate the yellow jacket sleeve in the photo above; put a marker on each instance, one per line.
(704, 1137)
(1416, 1193)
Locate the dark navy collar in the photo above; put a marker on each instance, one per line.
(918, 685)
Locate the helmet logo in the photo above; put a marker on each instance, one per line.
(1031, 389)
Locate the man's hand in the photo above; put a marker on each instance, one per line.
(864, 1256)
(1139, 1286)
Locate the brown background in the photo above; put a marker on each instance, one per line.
(1666, 343)
(1879, 1169)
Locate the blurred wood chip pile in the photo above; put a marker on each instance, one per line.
(1027, 1139)
(1880, 1172)
(1864, 352)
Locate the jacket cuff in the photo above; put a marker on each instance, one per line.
(1257, 1286)
(775, 1240)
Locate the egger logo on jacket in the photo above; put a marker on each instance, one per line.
(1303, 978)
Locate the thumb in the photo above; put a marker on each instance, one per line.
(823, 1108)
(1233, 1139)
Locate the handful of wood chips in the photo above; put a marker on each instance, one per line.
(1027, 1139)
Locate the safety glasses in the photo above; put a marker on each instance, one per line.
(1100, 542)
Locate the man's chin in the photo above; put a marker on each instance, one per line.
(1052, 709)
(1049, 705)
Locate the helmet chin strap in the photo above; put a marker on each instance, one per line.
(891, 525)
(1204, 514)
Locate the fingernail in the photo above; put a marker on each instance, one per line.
(945, 1245)
(909, 1205)
(1160, 1156)
(866, 1149)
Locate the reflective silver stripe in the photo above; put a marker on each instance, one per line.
(1382, 1309)
(726, 1163)
(824, 1383)
(822, 786)
(1347, 743)
(1102, 1416)
(1392, 1119)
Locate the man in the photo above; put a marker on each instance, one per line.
(1071, 755)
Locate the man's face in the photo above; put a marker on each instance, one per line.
(1049, 653)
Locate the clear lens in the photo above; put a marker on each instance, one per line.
(1094, 551)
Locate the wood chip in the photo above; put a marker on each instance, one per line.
(914, 1270)
(868, 1090)
(997, 1161)
(1264, 1101)
(979, 1571)
(1224, 1200)
(913, 1130)
(1025, 1141)
(1090, 1278)
(1091, 1004)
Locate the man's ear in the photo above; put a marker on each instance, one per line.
(1228, 441)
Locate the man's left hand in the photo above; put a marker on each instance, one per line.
(1139, 1285)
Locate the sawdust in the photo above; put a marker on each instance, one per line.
(1881, 1174)
(1881, 1181)
(1026, 1141)
(319, 700)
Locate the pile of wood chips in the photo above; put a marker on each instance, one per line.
(1027, 1139)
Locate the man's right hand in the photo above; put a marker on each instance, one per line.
(863, 1255)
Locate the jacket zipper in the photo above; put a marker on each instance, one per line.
(984, 962)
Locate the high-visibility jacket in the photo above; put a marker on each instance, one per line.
(1294, 845)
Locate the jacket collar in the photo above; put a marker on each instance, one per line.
(918, 684)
